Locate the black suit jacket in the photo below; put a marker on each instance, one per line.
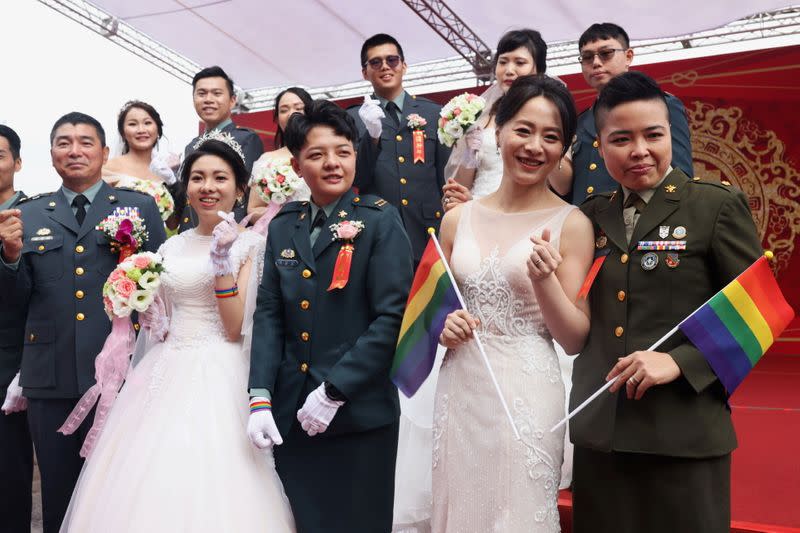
(304, 334)
(58, 284)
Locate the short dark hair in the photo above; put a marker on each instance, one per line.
(604, 30)
(377, 40)
(528, 38)
(76, 118)
(224, 152)
(526, 87)
(147, 108)
(213, 72)
(319, 113)
(14, 144)
(631, 86)
(303, 95)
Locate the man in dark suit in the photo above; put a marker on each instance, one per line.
(654, 455)
(16, 449)
(54, 263)
(387, 164)
(605, 52)
(214, 100)
(324, 336)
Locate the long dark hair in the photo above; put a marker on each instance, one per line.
(147, 108)
(303, 95)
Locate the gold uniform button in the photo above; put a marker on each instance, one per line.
(80, 249)
(356, 199)
(304, 305)
(306, 273)
(403, 181)
(618, 331)
(401, 159)
(79, 295)
(137, 327)
(32, 337)
(623, 258)
(41, 248)
(404, 201)
(398, 138)
(592, 166)
(305, 336)
(185, 220)
(303, 367)
(80, 316)
(595, 144)
(621, 296)
(79, 271)
(589, 189)
(438, 214)
(696, 178)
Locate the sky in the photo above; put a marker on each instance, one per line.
(52, 65)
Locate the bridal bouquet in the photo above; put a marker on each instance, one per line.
(276, 181)
(457, 116)
(132, 286)
(125, 231)
(159, 193)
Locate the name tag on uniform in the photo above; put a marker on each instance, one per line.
(661, 245)
(287, 263)
(42, 238)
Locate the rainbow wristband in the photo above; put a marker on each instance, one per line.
(260, 405)
(227, 293)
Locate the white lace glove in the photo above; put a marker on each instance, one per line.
(155, 319)
(222, 238)
(473, 140)
(14, 401)
(261, 427)
(160, 167)
(371, 114)
(317, 412)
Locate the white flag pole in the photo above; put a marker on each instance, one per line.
(475, 335)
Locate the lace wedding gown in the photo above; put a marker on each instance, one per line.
(174, 454)
(490, 166)
(483, 478)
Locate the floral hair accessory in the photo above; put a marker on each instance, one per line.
(345, 231)
(223, 137)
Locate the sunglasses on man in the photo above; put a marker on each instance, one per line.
(605, 55)
(377, 62)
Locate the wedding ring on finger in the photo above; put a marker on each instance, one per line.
(633, 381)
(446, 200)
(537, 262)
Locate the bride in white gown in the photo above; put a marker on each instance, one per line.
(174, 455)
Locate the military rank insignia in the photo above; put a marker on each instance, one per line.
(288, 253)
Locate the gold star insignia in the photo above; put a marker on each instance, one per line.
(302, 216)
(342, 213)
(670, 188)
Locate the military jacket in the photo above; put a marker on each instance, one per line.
(12, 331)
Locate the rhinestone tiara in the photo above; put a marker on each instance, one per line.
(224, 137)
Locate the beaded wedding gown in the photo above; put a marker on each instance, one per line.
(483, 478)
(174, 454)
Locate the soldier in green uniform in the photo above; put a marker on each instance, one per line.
(324, 336)
(654, 454)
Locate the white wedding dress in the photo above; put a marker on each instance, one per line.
(490, 166)
(174, 455)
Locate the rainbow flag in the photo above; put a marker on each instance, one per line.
(432, 298)
(739, 323)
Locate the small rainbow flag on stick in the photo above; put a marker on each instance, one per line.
(431, 299)
(739, 323)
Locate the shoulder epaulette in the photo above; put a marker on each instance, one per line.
(292, 207)
(35, 197)
(129, 189)
(594, 196)
(725, 185)
(369, 200)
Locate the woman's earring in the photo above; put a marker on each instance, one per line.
(560, 162)
(498, 149)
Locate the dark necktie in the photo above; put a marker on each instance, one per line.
(634, 200)
(319, 220)
(79, 203)
(630, 219)
(392, 110)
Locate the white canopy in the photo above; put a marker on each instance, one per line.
(264, 43)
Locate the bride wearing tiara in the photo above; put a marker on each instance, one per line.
(174, 453)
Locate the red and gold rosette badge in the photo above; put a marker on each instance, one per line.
(417, 125)
(345, 231)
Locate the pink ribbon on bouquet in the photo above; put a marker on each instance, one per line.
(110, 367)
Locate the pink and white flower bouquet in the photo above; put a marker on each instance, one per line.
(457, 116)
(160, 193)
(276, 181)
(132, 286)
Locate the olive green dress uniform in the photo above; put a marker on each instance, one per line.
(661, 463)
(589, 171)
(343, 479)
(252, 147)
(58, 284)
(16, 448)
(388, 169)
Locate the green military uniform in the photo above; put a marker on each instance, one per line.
(661, 463)
(304, 334)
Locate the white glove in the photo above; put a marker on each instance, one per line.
(317, 412)
(371, 114)
(222, 238)
(473, 140)
(261, 427)
(162, 168)
(15, 401)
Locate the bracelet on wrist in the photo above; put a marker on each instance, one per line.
(260, 405)
(227, 293)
